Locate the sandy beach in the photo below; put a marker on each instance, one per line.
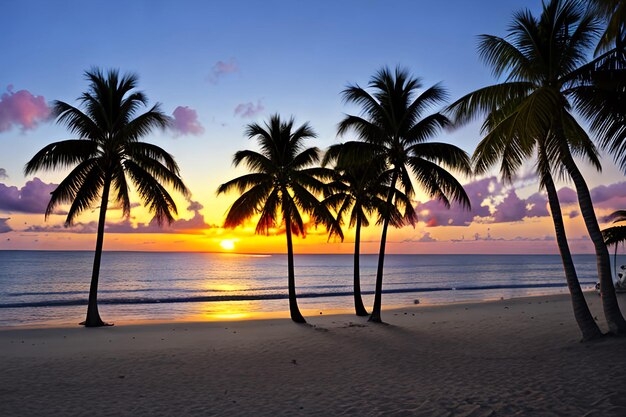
(509, 357)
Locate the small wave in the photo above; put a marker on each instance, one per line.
(258, 297)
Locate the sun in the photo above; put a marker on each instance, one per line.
(228, 244)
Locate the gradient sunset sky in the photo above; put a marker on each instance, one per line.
(217, 66)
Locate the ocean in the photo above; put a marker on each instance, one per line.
(51, 287)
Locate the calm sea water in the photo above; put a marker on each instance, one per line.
(51, 287)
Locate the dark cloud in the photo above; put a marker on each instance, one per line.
(33, 197)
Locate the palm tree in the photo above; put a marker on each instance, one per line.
(615, 235)
(505, 145)
(393, 127)
(359, 192)
(540, 60)
(282, 186)
(613, 12)
(107, 153)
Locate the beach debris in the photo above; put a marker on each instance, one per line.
(293, 361)
(320, 312)
(121, 376)
(416, 301)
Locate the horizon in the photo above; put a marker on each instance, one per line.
(216, 79)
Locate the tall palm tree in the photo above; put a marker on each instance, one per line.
(394, 128)
(540, 61)
(282, 186)
(505, 145)
(107, 154)
(613, 12)
(359, 192)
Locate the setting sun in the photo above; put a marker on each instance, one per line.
(228, 244)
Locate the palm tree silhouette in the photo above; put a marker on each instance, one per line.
(108, 153)
(393, 127)
(614, 14)
(614, 235)
(360, 192)
(540, 58)
(282, 186)
(505, 145)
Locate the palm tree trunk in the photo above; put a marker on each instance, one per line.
(93, 316)
(378, 295)
(291, 283)
(588, 327)
(612, 313)
(358, 300)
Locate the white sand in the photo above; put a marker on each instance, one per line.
(514, 357)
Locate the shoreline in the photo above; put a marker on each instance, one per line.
(284, 314)
(505, 357)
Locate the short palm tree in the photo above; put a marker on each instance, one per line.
(394, 127)
(614, 235)
(540, 59)
(283, 185)
(359, 192)
(107, 154)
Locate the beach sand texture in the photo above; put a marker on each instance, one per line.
(512, 357)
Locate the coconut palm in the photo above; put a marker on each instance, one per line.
(393, 127)
(359, 192)
(539, 60)
(281, 188)
(613, 12)
(505, 146)
(107, 154)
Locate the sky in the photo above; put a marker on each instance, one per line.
(216, 67)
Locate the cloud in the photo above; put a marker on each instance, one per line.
(3, 174)
(22, 109)
(194, 225)
(434, 213)
(611, 196)
(221, 68)
(194, 206)
(425, 238)
(567, 195)
(249, 109)
(492, 203)
(537, 205)
(81, 228)
(4, 227)
(185, 122)
(511, 209)
(33, 197)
